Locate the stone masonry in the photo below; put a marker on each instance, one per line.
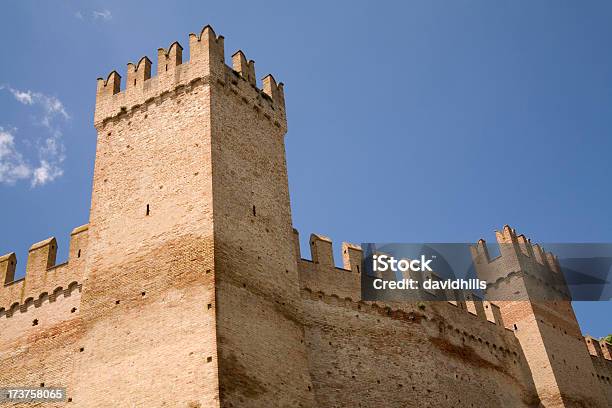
(187, 287)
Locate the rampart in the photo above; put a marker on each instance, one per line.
(206, 65)
(43, 278)
(357, 349)
(601, 355)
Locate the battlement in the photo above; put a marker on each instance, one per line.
(519, 257)
(42, 273)
(598, 348)
(601, 356)
(206, 65)
(322, 253)
(321, 274)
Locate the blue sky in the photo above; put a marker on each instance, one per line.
(408, 121)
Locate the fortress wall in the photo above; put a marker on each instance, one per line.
(343, 283)
(38, 343)
(42, 274)
(321, 274)
(262, 357)
(433, 353)
(361, 354)
(602, 364)
(40, 315)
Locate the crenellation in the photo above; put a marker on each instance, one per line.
(524, 245)
(245, 68)
(493, 313)
(274, 90)
(606, 349)
(593, 346)
(8, 264)
(320, 274)
(109, 86)
(206, 64)
(553, 262)
(322, 253)
(206, 52)
(519, 259)
(138, 73)
(475, 306)
(79, 239)
(41, 257)
(43, 275)
(540, 255)
(168, 60)
(296, 244)
(352, 256)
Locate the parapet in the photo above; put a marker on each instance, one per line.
(606, 349)
(7, 268)
(352, 256)
(601, 357)
(322, 274)
(593, 346)
(322, 253)
(206, 63)
(42, 273)
(519, 257)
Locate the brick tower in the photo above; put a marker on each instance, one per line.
(528, 286)
(192, 273)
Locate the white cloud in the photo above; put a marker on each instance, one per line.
(45, 173)
(78, 15)
(12, 165)
(23, 97)
(51, 106)
(50, 149)
(105, 15)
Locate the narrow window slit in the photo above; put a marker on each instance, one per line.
(148, 209)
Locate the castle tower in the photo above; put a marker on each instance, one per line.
(191, 290)
(527, 284)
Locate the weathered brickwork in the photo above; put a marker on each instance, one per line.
(187, 287)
